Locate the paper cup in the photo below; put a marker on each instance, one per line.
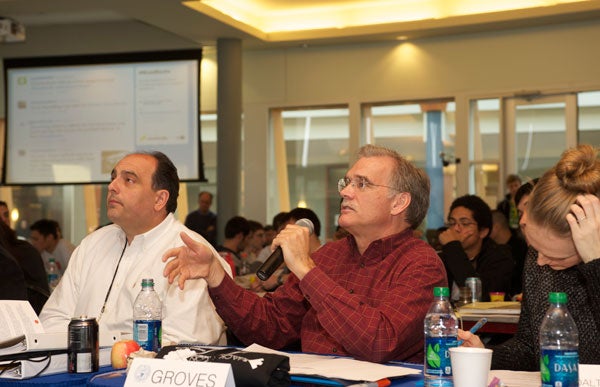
(470, 366)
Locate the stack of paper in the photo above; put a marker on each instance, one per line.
(27, 350)
(496, 307)
(335, 367)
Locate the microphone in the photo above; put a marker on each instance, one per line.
(271, 264)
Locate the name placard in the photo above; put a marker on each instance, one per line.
(589, 375)
(178, 373)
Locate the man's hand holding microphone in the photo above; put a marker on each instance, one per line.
(195, 260)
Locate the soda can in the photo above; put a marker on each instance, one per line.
(83, 345)
(474, 284)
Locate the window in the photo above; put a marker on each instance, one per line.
(316, 154)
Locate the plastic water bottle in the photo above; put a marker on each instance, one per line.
(53, 274)
(147, 317)
(441, 329)
(559, 343)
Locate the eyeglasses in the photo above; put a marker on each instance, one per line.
(461, 223)
(362, 183)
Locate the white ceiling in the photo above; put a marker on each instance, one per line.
(265, 23)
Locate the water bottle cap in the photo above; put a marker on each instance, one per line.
(441, 291)
(557, 297)
(147, 282)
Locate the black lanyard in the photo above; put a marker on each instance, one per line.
(112, 281)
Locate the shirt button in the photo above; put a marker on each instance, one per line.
(351, 291)
(362, 265)
(334, 350)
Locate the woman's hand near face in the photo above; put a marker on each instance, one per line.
(584, 221)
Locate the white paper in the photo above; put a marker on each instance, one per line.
(16, 319)
(589, 375)
(516, 378)
(337, 367)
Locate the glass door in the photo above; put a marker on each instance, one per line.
(538, 130)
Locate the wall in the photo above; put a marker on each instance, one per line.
(487, 64)
(547, 59)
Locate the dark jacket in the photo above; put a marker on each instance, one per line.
(582, 285)
(494, 266)
(12, 280)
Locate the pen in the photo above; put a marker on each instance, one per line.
(378, 383)
(475, 328)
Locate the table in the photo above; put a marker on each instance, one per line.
(109, 377)
(56, 380)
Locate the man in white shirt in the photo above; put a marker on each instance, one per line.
(105, 272)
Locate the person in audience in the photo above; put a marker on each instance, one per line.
(503, 235)
(508, 206)
(12, 279)
(562, 225)
(306, 213)
(105, 272)
(252, 245)
(279, 277)
(236, 230)
(203, 220)
(46, 237)
(270, 233)
(363, 296)
(522, 196)
(279, 222)
(468, 250)
(4, 213)
(32, 266)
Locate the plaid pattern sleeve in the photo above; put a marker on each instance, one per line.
(368, 306)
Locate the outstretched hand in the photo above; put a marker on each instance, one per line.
(191, 261)
(584, 221)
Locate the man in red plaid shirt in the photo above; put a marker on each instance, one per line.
(363, 296)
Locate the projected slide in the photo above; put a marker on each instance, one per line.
(71, 124)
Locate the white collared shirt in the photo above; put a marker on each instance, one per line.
(188, 315)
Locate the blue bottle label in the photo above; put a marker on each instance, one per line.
(559, 368)
(438, 355)
(148, 334)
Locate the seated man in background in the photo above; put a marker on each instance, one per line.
(203, 220)
(468, 250)
(363, 296)
(279, 277)
(12, 280)
(252, 245)
(503, 235)
(236, 230)
(32, 266)
(106, 270)
(4, 213)
(47, 238)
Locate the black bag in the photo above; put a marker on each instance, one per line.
(249, 368)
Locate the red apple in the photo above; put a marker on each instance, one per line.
(119, 352)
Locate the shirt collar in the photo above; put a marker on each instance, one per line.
(145, 240)
(381, 248)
